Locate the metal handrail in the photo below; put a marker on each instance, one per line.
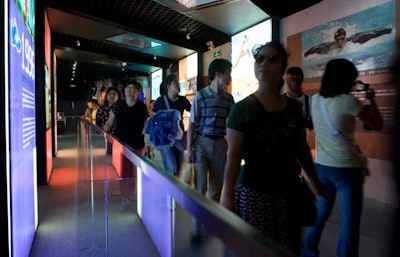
(237, 234)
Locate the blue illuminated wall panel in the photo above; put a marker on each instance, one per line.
(22, 125)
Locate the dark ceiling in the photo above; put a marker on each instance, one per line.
(165, 22)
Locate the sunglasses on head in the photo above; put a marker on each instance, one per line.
(273, 58)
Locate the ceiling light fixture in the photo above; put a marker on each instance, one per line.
(188, 36)
(78, 43)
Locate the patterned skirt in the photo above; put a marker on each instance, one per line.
(271, 213)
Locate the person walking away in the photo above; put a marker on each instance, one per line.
(338, 164)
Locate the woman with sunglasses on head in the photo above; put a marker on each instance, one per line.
(261, 191)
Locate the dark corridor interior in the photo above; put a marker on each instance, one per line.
(114, 39)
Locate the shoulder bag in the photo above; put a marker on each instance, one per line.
(343, 138)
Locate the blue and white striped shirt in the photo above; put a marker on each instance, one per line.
(210, 111)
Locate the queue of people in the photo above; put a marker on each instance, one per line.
(259, 183)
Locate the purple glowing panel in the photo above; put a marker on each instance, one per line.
(157, 214)
(22, 124)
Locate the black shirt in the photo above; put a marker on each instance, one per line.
(129, 123)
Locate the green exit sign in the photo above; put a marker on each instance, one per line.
(217, 54)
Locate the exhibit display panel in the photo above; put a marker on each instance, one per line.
(21, 125)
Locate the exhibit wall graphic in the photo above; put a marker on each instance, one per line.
(311, 49)
(366, 38)
(22, 126)
(244, 81)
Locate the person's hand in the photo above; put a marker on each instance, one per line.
(369, 94)
(320, 189)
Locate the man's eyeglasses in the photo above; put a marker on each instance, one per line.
(273, 58)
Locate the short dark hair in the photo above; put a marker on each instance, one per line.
(340, 32)
(93, 101)
(296, 71)
(339, 77)
(135, 83)
(218, 65)
(167, 81)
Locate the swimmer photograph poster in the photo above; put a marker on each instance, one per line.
(366, 38)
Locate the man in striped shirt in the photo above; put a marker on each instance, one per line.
(206, 144)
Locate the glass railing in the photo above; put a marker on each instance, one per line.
(161, 205)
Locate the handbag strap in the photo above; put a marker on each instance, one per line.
(334, 130)
(166, 102)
